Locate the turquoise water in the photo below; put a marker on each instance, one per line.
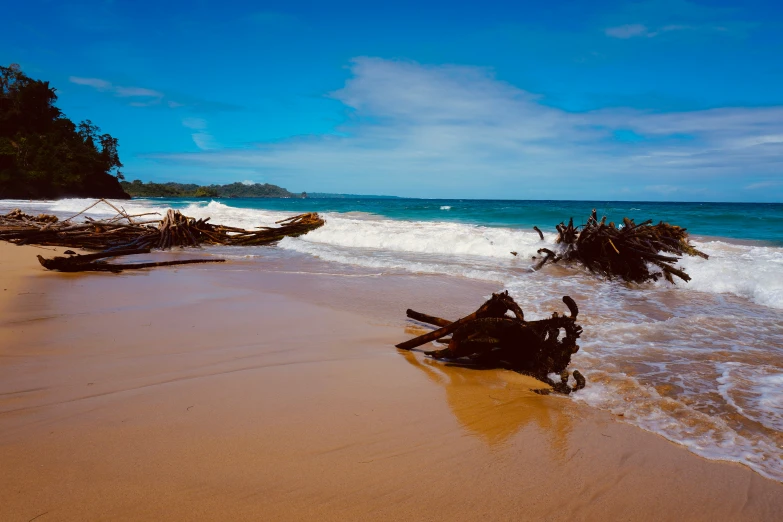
(756, 221)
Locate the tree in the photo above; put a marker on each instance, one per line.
(43, 154)
(205, 192)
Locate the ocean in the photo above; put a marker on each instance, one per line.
(700, 363)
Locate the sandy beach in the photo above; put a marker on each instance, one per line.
(217, 392)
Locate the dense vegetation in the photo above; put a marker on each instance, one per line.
(43, 154)
(189, 190)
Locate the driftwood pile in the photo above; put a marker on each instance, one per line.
(490, 338)
(124, 234)
(627, 251)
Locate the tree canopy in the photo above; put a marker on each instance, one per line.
(43, 154)
(190, 190)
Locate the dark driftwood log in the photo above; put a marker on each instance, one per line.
(84, 258)
(437, 334)
(488, 308)
(540, 234)
(429, 319)
(92, 263)
(489, 337)
(550, 256)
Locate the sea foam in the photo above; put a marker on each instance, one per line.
(751, 272)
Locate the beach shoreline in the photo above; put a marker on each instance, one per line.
(234, 392)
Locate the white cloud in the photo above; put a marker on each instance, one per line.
(154, 97)
(761, 140)
(248, 182)
(95, 83)
(673, 27)
(763, 185)
(626, 31)
(203, 139)
(452, 131)
(651, 18)
(195, 123)
(126, 92)
(144, 97)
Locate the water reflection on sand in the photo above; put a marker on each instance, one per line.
(495, 405)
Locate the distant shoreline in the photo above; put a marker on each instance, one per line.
(308, 196)
(139, 189)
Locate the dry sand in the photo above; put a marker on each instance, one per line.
(214, 392)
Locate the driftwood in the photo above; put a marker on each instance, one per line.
(490, 338)
(18, 215)
(94, 263)
(627, 251)
(123, 231)
(123, 234)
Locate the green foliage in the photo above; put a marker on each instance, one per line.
(256, 190)
(43, 154)
(188, 190)
(205, 192)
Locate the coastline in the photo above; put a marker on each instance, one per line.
(233, 392)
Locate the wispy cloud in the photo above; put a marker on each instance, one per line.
(148, 96)
(145, 97)
(634, 30)
(456, 131)
(764, 185)
(95, 83)
(195, 123)
(653, 18)
(135, 92)
(203, 139)
(626, 31)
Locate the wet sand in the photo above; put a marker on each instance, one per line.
(224, 392)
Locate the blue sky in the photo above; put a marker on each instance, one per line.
(653, 100)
